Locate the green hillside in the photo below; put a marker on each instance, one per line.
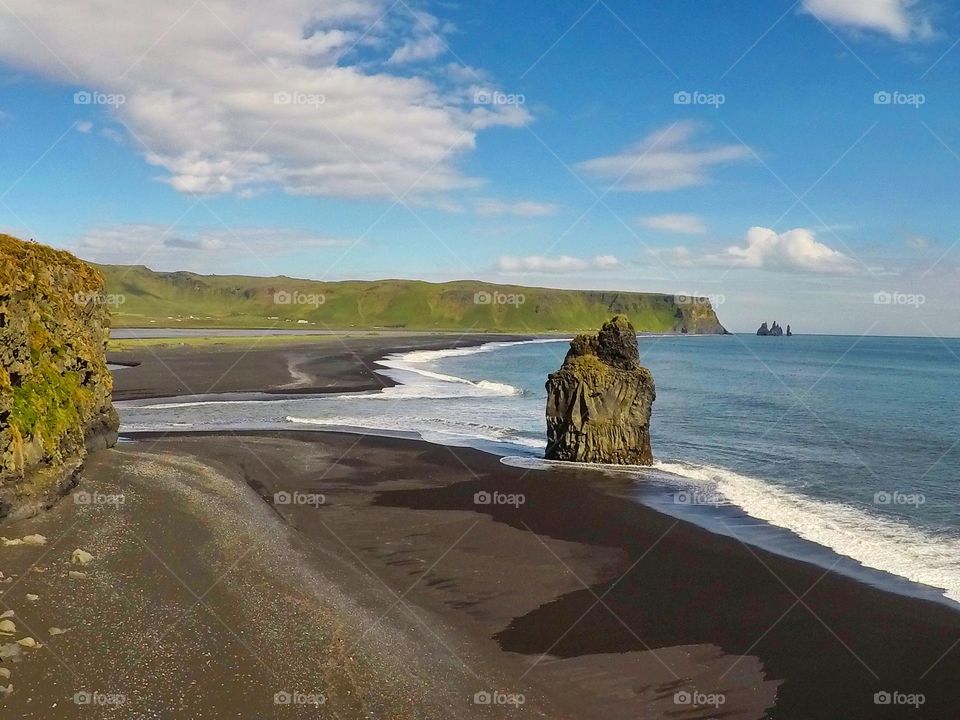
(141, 297)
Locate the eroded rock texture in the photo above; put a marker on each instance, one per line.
(599, 401)
(54, 382)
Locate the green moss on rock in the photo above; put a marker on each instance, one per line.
(54, 382)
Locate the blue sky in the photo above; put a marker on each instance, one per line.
(791, 160)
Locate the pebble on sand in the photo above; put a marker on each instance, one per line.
(7, 627)
(75, 575)
(81, 557)
(26, 540)
(28, 642)
(32, 598)
(5, 673)
(55, 631)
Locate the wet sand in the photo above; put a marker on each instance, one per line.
(398, 595)
(290, 365)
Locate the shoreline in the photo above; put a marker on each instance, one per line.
(616, 608)
(757, 531)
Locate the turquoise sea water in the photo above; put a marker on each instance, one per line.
(825, 446)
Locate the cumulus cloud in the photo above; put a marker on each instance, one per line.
(900, 19)
(764, 249)
(422, 48)
(520, 208)
(84, 126)
(558, 264)
(225, 96)
(679, 223)
(206, 249)
(665, 160)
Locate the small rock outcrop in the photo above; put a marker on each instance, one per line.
(774, 331)
(54, 382)
(599, 401)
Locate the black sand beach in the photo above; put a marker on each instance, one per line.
(396, 595)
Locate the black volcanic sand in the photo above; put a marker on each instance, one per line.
(294, 365)
(400, 597)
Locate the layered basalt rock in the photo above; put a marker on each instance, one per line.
(774, 331)
(55, 385)
(599, 401)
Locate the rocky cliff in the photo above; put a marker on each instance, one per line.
(599, 402)
(192, 300)
(54, 382)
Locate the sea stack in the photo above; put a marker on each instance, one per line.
(599, 401)
(55, 387)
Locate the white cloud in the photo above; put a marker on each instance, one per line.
(764, 249)
(680, 224)
(418, 49)
(200, 84)
(558, 264)
(520, 208)
(205, 249)
(900, 19)
(664, 160)
(84, 126)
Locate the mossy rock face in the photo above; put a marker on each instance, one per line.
(599, 402)
(54, 382)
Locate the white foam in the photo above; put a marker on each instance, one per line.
(439, 388)
(876, 541)
(440, 385)
(196, 403)
(425, 356)
(538, 463)
(437, 430)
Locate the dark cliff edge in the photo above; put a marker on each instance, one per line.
(55, 386)
(599, 402)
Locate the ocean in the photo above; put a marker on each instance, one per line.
(840, 451)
